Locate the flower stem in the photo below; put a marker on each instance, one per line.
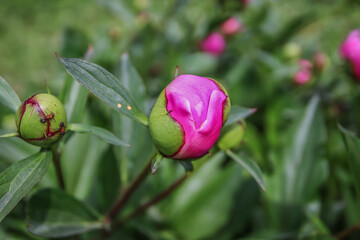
(130, 190)
(152, 202)
(347, 232)
(59, 174)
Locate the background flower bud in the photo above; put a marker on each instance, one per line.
(41, 120)
(350, 51)
(302, 77)
(232, 26)
(213, 44)
(232, 136)
(320, 61)
(292, 51)
(188, 116)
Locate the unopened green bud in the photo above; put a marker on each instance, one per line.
(232, 136)
(41, 120)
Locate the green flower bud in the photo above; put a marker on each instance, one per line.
(232, 136)
(41, 120)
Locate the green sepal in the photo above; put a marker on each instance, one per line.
(167, 134)
(232, 135)
(227, 105)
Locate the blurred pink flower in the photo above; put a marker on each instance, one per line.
(302, 76)
(350, 51)
(305, 64)
(350, 48)
(246, 2)
(232, 26)
(213, 44)
(320, 61)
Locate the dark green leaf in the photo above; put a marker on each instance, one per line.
(352, 143)
(238, 113)
(74, 95)
(99, 132)
(128, 76)
(105, 86)
(188, 166)
(17, 180)
(130, 131)
(54, 213)
(8, 96)
(249, 165)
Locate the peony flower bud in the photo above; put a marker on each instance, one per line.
(350, 51)
(302, 76)
(188, 116)
(232, 26)
(320, 61)
(246, 2)
(292, 50)
(232, 136)
(213, 44)
(41, 120)
(305, 64)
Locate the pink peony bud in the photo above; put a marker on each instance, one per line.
(246, 2)
(232, 26)
(350, 51)
(356, 67)
(188, 116)
(305, 64)
(213, 44)
(320, 61)
(302, 76)
(350, 48)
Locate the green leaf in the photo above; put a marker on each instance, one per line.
(352, 143)
(74, 95)
(130, 131)
(202, 204)
(99, 132)
(249, 165)
(188, 166)
(238, 113)
(17, 180)
(8, 96)
(7, 135)
(54, 213)
(155, 164)
(301, 157)
(128, 76)
(105, 86)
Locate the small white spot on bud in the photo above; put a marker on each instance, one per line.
(129, 107)
(119, 105)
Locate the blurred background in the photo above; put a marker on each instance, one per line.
(311, 190)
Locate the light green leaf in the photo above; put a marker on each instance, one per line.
(7, 135)
(249, 165)
(8, 96)
(238, 113)
(155, 164)
(105, 86)
(97, 131)
(54, 213)
(17, 180)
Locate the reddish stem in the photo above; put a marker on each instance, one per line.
(152, 202)
(129, 191)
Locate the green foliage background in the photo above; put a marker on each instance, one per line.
(312, 186)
